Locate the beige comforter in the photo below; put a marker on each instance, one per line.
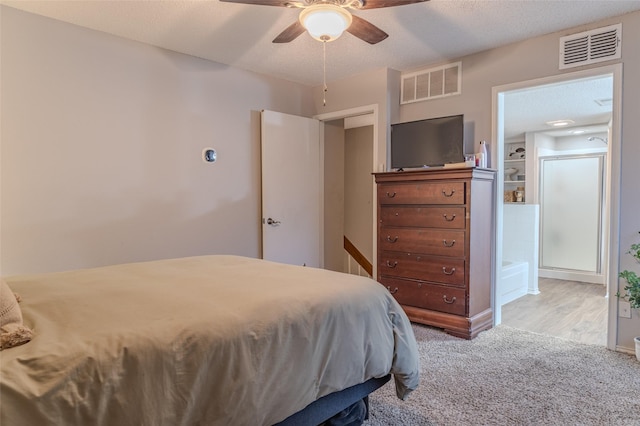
(211, 340)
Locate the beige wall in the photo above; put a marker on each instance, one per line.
(101, 145)
(359, 91)
(531, 59)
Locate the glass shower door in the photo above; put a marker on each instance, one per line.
(571, 202)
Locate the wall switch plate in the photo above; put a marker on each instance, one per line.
(624, 309)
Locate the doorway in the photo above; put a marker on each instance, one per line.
(531, 183)
(348, 199)
(349, 142)
(358, 199)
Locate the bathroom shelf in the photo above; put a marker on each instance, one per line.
(510, 186)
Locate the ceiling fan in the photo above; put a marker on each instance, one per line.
(325, 20)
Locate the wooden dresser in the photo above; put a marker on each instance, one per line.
(436, 244)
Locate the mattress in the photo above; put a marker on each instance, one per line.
(211, 340)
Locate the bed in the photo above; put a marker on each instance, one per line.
(206, 340)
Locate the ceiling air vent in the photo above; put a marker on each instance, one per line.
(590, 47)
(431, 83)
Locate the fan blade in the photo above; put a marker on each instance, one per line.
(366, 31)
(376, 4)
(290, 34)
(282, 3)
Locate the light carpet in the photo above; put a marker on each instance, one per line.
(507, 376)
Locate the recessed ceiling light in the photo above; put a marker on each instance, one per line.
(560, 123)
(578, 132)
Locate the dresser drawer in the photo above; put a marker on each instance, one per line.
(427, 296)
(423, 217)
(422, 193)
(446, 270)
(425, 241)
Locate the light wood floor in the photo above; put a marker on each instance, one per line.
(567, 309)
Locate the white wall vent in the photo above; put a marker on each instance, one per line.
(431, 83)
(590, 47)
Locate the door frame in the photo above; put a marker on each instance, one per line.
(352, 112)
(612, 229)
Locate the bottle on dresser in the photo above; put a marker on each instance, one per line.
(481, 155)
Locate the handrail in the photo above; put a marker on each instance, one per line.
(357, 256)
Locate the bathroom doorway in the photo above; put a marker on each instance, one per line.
(545, 111)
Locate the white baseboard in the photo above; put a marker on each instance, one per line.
(625, 350)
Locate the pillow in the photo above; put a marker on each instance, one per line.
(12, 331)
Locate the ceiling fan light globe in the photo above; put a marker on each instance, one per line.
(325, 22)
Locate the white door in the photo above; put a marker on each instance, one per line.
(291, 189)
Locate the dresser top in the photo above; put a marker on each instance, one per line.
(437, 173)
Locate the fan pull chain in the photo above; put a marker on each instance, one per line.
(324, 73)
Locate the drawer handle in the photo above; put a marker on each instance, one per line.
(394, 291)
(446, 217)
(453, 299)
(391, 195)
(444, 271)
(392, 240)
(450, 194)
(447, 244)
(392, 265)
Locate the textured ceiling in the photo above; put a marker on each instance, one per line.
(240, 35)
(584, 101)
(419, 34)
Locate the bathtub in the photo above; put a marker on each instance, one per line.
(514, 280)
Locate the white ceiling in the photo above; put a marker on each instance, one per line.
(240, 35)
(586, 102)
(419, 34)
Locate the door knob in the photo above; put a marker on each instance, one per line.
(273, 222)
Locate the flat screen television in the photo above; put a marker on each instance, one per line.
(427, 143)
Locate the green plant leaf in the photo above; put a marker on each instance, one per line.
(633, 281)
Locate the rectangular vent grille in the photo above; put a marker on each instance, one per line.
(431, 83)
(590, 47)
